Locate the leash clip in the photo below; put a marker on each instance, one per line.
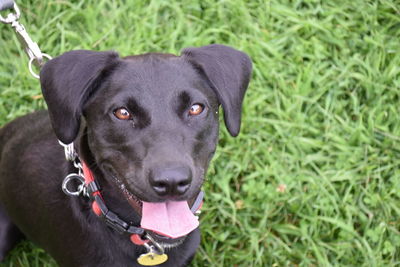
(31, 48)
(12, 17)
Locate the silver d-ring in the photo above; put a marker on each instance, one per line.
(30, 65)
(68, 179)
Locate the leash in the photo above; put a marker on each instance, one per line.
(36, 57)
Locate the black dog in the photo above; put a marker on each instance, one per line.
(147, 127)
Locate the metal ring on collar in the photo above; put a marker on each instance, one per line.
(68, 179)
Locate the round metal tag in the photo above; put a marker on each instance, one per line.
(151, 259)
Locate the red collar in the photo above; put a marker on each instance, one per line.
(111, 219)
(100, 209)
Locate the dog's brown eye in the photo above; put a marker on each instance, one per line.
(122, 114)
(196, 109)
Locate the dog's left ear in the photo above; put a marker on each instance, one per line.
(228, 72)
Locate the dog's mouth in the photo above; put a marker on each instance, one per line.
(134, 201)
(168, 222)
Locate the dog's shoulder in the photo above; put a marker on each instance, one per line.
(25, 128)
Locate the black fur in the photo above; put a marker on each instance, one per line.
(83, 89)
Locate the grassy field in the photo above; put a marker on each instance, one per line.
(314, 177)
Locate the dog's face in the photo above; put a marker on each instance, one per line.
(154, 118)
(151, 120)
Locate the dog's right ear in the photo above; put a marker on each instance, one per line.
(68, 81)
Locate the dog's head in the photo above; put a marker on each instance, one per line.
(151, 120)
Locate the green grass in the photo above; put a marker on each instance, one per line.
(321, 117)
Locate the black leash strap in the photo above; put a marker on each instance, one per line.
(6, 4)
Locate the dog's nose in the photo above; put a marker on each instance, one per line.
(171, 181)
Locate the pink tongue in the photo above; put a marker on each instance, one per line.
(172, 218)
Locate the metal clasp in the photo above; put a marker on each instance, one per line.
(31, 48)
(72, 156)
(69, 151)
(12, 16)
